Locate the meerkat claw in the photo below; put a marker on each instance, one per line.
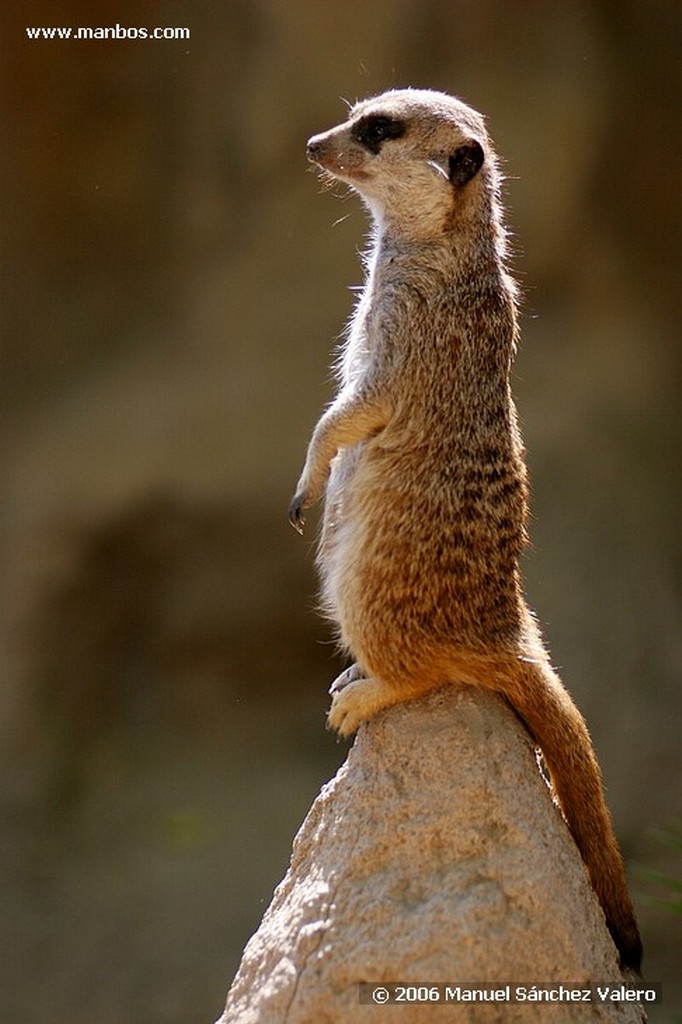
(351, 675)
(296, 517)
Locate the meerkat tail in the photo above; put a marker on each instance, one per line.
(540, 699)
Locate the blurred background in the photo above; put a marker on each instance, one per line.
(174, 280)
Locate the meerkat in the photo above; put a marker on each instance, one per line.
(422, 464)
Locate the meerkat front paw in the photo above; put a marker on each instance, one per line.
(357, 701)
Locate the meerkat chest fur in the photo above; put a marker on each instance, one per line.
(435, 328)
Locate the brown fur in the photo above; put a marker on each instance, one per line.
(422, 461)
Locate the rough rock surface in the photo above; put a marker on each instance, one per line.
(435, 855)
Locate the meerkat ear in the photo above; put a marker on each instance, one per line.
(465, 162)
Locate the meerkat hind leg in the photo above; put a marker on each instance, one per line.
(357, 700)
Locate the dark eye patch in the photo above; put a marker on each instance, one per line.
(375, 129)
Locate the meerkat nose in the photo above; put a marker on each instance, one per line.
(314, 148)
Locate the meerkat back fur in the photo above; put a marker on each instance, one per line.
(421, 462)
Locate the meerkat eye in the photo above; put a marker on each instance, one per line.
(373, 130)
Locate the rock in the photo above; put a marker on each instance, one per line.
(435, 855)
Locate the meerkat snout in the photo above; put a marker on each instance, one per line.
(335, 153)
(315, 148)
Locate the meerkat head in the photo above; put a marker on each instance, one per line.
(419, 159)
